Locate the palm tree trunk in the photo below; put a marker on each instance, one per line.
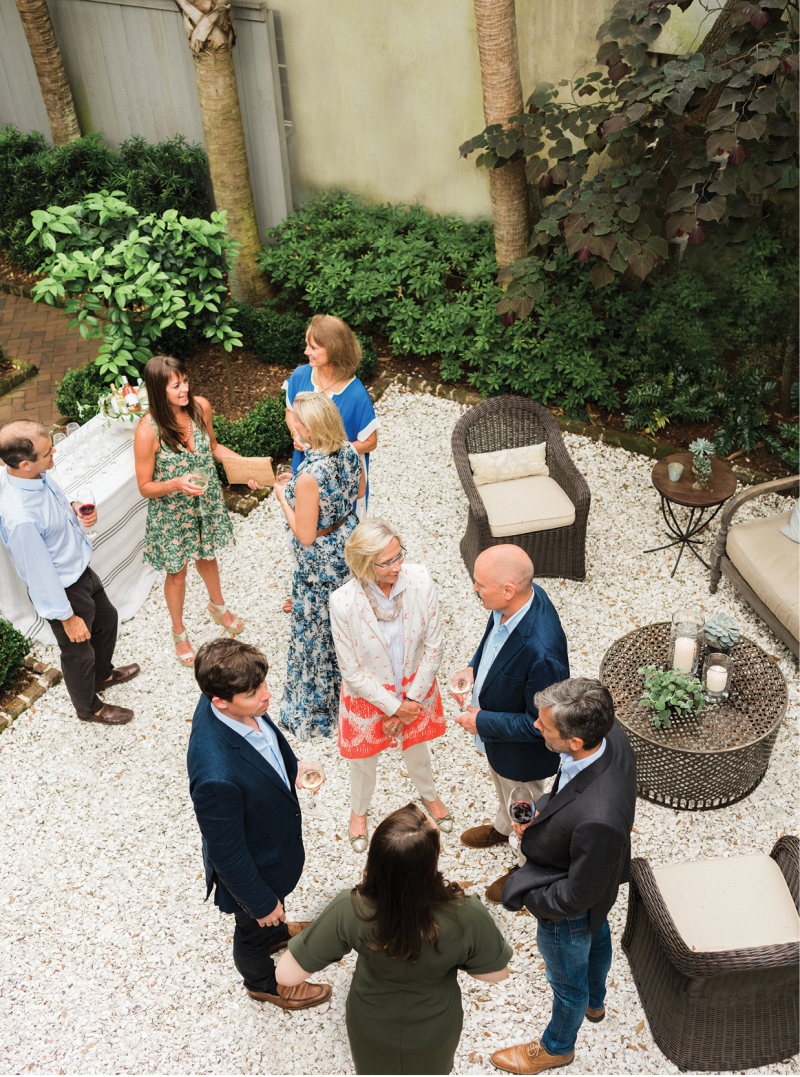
(210, 31)
(502, 97)
(46, 55)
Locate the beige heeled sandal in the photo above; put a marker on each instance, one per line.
(183, 637)
(217, 614)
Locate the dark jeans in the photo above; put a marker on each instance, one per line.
(84, 664)
(251, 954)
(576, 967)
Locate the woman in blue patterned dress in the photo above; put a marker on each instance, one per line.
(318, 504)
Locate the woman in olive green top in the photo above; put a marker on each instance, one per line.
(412, 931)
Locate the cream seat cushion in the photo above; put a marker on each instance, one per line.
(730, 903)
(519, 506)
(769, 562)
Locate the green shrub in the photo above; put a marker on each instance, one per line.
(34, 175)
(78, 392)
(262, 432)
(14, 649)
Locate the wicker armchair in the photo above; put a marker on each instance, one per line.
(761, 563)
(510, 422)
(729, 1009)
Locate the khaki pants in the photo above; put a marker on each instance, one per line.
(502, 820)
(364, 772)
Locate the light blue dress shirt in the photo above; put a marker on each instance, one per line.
(265, 742)
(45, 540)
(570, 767)
(495, 640)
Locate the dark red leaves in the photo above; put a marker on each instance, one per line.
(617, 72)
(697, 235)
(533, 110)
(680, 232)
(584, 255)
(737, 155)
(759, 20)
(561, 225)
(546, 181)
(508, 319)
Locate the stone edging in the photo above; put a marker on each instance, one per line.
(24, 372)
(244, 504)
(48, 676)
(633, 443)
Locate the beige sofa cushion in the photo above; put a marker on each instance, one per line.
(519, 506)
(731, 903)
(506, 464)
(770, 563)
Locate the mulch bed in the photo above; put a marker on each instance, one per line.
(14, 274)
(24, 679)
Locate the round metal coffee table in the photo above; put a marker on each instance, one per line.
(702, 761)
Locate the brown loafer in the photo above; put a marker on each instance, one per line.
(300, 997)
(482, 837)
(118, 676)
(494, 892)
(109, 715)
(595, 1015)
(294, 929)
(529, 1058)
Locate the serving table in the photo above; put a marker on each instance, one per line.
(707, 760)
(103, 460)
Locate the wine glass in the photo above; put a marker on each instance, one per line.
(72, 428)
(461, 683)
(200, 478)
(283, 472)
(312, 775)
(57, 439)
(521, 806)
(86, 506)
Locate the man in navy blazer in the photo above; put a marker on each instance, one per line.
(242, 780)
(523, 650)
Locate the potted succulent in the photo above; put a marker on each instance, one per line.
(701, 451)
(670, 693)
(721, 632)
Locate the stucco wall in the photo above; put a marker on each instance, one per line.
(383, 93)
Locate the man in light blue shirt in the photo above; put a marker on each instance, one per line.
(45, 539)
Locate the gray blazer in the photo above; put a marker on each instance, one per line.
(578, 848)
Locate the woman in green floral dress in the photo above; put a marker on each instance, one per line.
(184, 522)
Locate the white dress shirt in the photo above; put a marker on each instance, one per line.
(265, 741)
(570, 767)
(45, 540)
(494, 642)
(392, 631)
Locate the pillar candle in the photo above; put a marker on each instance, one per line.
(716, 678)
(684, 654)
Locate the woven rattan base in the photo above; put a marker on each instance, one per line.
(702, 761)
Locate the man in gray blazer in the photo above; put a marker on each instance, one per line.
(578, 851)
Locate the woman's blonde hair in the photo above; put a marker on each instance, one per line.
(338, 340)
(320, 416)
(367, 541)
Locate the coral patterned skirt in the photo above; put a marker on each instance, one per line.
(361, 724)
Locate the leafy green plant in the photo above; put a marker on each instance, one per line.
(722, 630)
(78, 392)
(702, 451)
(34, 175)
(14, 649)
(788, 449)
(670, 692)
(274, 338)
(262, 432)
(142, 274)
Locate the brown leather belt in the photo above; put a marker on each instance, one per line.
(334, 526)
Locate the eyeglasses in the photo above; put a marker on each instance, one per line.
(388, 564)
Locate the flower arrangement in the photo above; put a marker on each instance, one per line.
(721, 632)
(669, 692)
(701, 451)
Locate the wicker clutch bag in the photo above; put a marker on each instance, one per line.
(240, 469)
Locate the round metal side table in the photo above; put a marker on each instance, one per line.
(703, 761)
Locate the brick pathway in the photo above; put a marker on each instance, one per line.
(39, 334)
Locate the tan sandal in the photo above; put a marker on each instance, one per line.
(217, 614)
(186, 659)
(287, 606)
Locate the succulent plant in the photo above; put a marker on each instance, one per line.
(701, 451)
(722, 629)
(670, 691)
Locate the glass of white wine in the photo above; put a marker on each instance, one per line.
(311, 776)
(461, 684)
(283, 472)
(200, 478)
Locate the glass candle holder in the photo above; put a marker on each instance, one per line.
(675, 471)
(717, 673)
(685, 641)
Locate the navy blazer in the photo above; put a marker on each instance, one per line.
(578, 848)
(250, 821)
(532, 658)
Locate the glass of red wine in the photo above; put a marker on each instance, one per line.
(86, 506)
(521, 805)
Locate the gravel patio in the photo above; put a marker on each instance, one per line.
(111, 962)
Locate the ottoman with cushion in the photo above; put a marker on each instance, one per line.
(761, 558)
(522, 486)
(714, 948)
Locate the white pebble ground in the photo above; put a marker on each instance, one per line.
(111, 962)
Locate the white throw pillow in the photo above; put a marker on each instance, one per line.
(792, 529)
(508, 464)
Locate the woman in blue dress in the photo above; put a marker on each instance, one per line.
(318, 504)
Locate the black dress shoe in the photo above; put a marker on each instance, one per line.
(118, 676)
(109, 715)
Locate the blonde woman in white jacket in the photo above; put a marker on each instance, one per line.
(387, 633)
